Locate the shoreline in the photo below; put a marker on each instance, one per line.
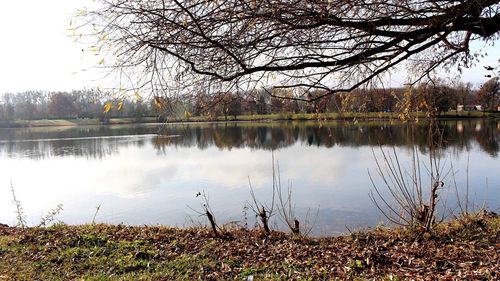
(467, 248)
(370, 116)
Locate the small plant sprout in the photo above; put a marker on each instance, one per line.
(97, 208)
(50, 216)
(20, 215)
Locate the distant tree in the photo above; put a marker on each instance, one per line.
(316, 106)
(464, 94)
(137, 109)
(8, 110)
(489, 93)
(319, 106)
(361, 100)
(26, 104)
(3, 113)
(89, 102)
(248, 103)
(61, 105)
(383, 101)
(291, 106)
(227, 104)
(235, 107)
(433, 98)
(261, 106)
(277, 104)
(200, 105)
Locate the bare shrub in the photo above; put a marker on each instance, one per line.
(282, 205)
(208, 213)
(407, 202)
(263, 211)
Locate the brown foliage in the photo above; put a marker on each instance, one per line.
(489, 94)
(461, 250)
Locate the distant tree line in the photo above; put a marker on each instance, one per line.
(93, 103)
(429, 97)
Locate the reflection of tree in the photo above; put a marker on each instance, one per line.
(487, 138)
(90, 148)
(456, 134)
(228, 136)
(94, 142)
(90, 142)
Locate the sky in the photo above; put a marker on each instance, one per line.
(37, 53)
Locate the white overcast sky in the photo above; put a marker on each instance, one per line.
(36, 51)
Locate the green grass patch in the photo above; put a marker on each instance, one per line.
(74, 122)
(248, 118)
(335, 116)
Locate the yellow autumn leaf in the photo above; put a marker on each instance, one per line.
(104, 37)
(94, 49)
(137, 96)
(107, 107)
(81, 12)
(101, 62)
(158, 102)
(119, 106)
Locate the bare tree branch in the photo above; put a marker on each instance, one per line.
(333, 45)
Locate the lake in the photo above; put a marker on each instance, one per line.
(151, 174)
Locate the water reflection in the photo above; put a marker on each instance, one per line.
(272, 136)
(98, 142)
(91, 141)
(140, 177)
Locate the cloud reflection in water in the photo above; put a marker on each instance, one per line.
(144, 179)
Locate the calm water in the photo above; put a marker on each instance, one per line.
(150, 174)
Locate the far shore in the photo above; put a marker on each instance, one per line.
(363, 116)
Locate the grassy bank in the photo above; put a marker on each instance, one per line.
(73, 122)
(255, 117)
(337, 116)
(466, 249)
